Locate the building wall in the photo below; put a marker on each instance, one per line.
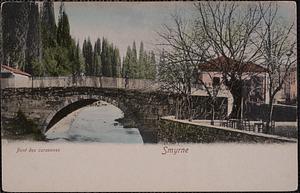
(7, 82)
(207, 78)
(289, 91)
(291, 84)
(294, 85)
(261, 86)
(22, 80)
(17, 80)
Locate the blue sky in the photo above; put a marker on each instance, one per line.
(124, 22)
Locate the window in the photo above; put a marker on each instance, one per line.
(216, 81)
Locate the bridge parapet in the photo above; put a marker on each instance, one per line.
(82, 81)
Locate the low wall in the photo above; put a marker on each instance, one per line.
(83, 81)
(174, 131)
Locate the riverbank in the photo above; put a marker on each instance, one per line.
(24, 137)
(22, 128)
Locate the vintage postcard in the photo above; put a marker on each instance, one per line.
(148, 96)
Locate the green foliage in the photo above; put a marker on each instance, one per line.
(60, 54)
(150, 66)
(38, 68)
(63, 31)
(97, 48)
(48, 25)
(134, 62)
(142, 61)
(87, 51)
(116, 63)
(109, 61)
(55, 52)
(1, 41)
(97, 64)
(143, 68)
(162, 71)
(75, 63)
(105, 60)
(56, 61)
(127, 72)
(22, 125)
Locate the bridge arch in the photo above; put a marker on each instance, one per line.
(71, 105)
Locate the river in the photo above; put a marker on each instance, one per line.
(95, 123)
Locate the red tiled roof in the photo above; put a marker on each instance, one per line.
(14, 70)
(226, 64)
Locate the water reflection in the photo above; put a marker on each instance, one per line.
(94, 124)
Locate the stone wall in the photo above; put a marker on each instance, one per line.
(174, 131)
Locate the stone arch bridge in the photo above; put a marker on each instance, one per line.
(47, 105)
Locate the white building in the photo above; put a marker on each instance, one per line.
(255, 76)
(10, 77)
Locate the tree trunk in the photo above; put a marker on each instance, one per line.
(177, 108)
(179, 104)
(213, 114)
(235, 89)
(270, 118)
(236, 109)
(189, 106)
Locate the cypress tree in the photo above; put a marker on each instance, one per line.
(134, 62)
(97, 47)
(63, 29)
(141, 62)
(48, 25)
(116, 63)
(146, 64)
(73, 58)
(89, 58)
(84, 49)
(33, 40)
(97, 58)
(1, 41)
(152, 66)
(77, 63)
(110, 54)
(127, 68)
(87, 51)
(161, 65)
(104, 59)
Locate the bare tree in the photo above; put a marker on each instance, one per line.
(177, 70)
(230, 30)
(183, 51)
(278, 50)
